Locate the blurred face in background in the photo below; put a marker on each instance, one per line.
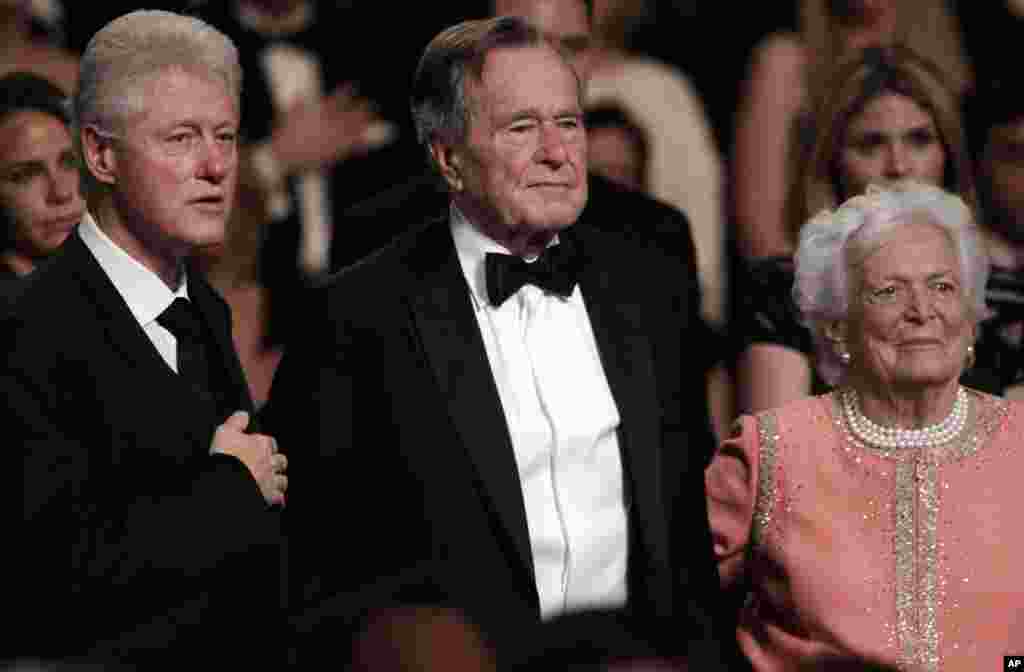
(562, 22)
(891, 138)
(1002, 179)
(39, 182)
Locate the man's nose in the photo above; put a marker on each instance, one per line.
(552, 145)
(216, 160)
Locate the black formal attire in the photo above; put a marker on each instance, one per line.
(376, 221)
(403, 472)
(9, 283)
(610, 207)
(134, 545)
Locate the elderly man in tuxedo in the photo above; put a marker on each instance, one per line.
(148, 532)
(493, 413)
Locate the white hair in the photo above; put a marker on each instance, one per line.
(822, 283)
(130, 50)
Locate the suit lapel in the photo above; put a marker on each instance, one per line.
(618, 319)
(124, 335)
(443, 313)
(224, 354)
(123, 332)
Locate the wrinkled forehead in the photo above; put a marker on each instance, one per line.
(536, 74)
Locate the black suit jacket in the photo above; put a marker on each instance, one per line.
(404, 484)
(135, 545)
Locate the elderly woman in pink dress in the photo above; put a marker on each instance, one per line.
(882, 520)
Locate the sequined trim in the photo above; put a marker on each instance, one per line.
(916, 513)
(927, 552)
(768, 437)
(904, 547)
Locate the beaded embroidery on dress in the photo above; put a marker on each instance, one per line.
(917, 456)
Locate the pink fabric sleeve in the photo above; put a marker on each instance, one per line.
(731, 482)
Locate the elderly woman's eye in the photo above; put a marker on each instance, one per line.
(884, 292)
(944, 286)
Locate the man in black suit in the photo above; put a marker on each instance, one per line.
(494, 413)
(147, 533)
(372, 223)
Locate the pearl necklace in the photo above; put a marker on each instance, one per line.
(871, 433)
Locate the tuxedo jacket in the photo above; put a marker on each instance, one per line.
(404, 485)
(134, 544)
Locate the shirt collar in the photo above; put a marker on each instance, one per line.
(472, 247)
(145, 293)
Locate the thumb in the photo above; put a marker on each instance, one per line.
(239, 420)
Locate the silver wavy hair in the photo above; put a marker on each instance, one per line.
(822, 284)
(133, 48)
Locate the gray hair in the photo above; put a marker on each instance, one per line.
(123, 55)
(439, 102)
(822, 284)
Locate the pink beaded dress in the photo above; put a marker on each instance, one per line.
(909, 557)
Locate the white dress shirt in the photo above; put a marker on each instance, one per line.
(145, 293)
(563, 420)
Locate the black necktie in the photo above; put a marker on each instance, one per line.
(554, 271)
(184, 321)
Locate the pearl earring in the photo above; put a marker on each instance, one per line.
(844, 357)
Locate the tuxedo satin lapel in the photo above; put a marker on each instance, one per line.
(618, 320)
(451, 340)
(125, 336)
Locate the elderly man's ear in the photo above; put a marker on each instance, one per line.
(448, 162)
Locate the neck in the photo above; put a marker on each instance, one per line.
(18, 263)
(160, 258)
(907, 408)
(520, 242)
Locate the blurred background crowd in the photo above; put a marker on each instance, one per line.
(747, 117)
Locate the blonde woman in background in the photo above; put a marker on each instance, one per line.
(788, 72)
(889, 114)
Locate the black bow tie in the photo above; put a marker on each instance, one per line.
(554, 271)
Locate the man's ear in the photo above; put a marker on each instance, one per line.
(99, 155)
(448, 162)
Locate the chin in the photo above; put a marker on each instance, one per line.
(554, 218)
(930, 377)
